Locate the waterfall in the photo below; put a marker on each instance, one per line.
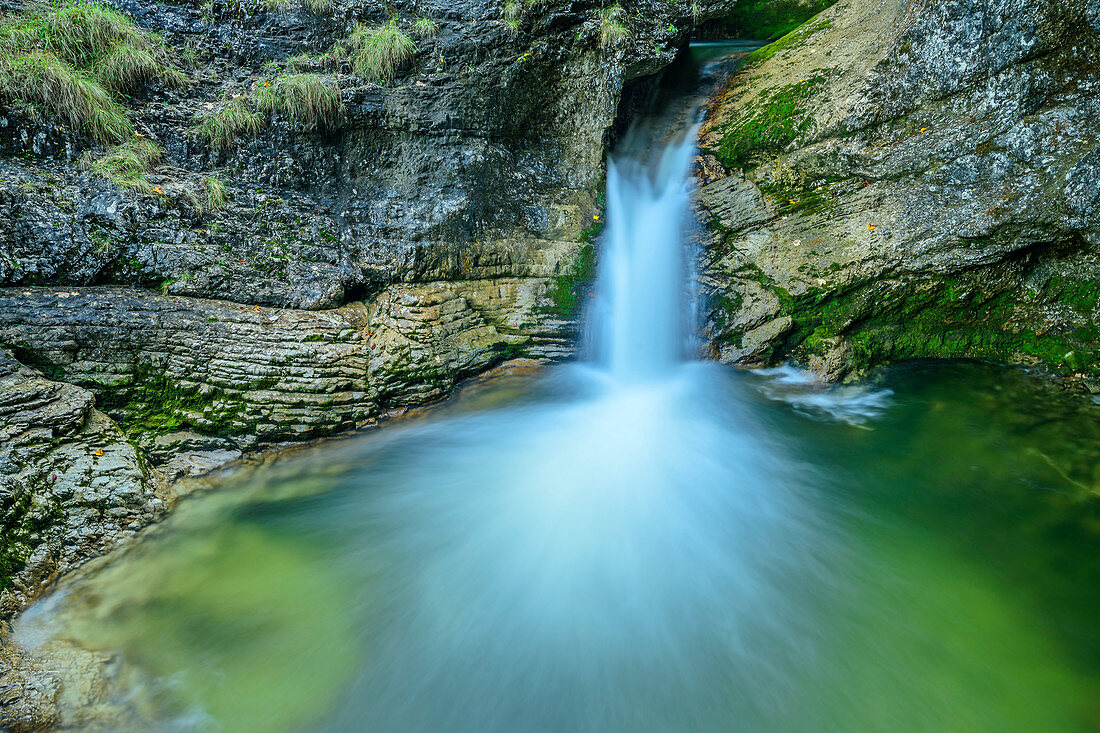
(638, 315)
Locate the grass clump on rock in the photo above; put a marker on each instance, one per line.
(128, 165)
(74, 61)
(305, 98)
(377, 52)
(214, 194)
(612, 29)
(425, 28)
(234, 120)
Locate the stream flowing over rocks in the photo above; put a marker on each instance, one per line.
(442, 223)
(894, 180)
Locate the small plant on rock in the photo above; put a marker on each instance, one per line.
(234, 120)
(425, 28)
(214, 194)
(377, 52)
(612, 29)
(305, 98)
(128, 165)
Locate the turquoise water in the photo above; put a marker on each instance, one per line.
(637, 544)
(917, 555)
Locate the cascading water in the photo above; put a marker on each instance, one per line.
(634, 544)
(641, 280)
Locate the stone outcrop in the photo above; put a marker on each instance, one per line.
(441, 223)
(899, 180)
(71, 484)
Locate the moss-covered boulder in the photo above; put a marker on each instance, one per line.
(898, 180)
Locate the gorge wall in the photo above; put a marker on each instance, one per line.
(302, 217)
(903, 179)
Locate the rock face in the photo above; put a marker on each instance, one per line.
(311, 274)
(900, 180)
(70, 483)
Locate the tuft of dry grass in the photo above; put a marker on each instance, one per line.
(75, 60)
(128, 165)
(305, 98)
(377, 52)
(612, 28)
(234, 120)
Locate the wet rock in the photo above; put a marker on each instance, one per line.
(928, 191)
(71, 485)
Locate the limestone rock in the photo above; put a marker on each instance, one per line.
(929, 191)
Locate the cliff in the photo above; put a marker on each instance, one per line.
(898, 180)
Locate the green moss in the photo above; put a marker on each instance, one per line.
(779, 117)
(25, 515)
(1082, 296)
(794, 38)
(152, 402)
(565, 293)
(793, 201)
(953, 319)
(767, 19)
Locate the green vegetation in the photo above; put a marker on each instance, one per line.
(377, 52)
(612, 29)
(565, 294)
(76, 61)
(214, 194)
(770, 19)
(776, 119)
(513, 10)
(318, 7)
(152, 402)
(128, 165)
(952, 318)
(235, 119)
(306, 98)
(426, 28)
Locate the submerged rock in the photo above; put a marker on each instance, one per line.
(899, 180)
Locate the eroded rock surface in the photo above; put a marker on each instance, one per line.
(439, 224)
(71, 484)
(901, 180)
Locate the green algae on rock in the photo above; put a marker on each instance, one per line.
(884, 206)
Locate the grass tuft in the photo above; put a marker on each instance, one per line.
(75, 60)
(70, 96)
(425, 28)
(128, 165)
(305, 98)
(612, 29)
(377, 52)
(223, 127)
(214, 194)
